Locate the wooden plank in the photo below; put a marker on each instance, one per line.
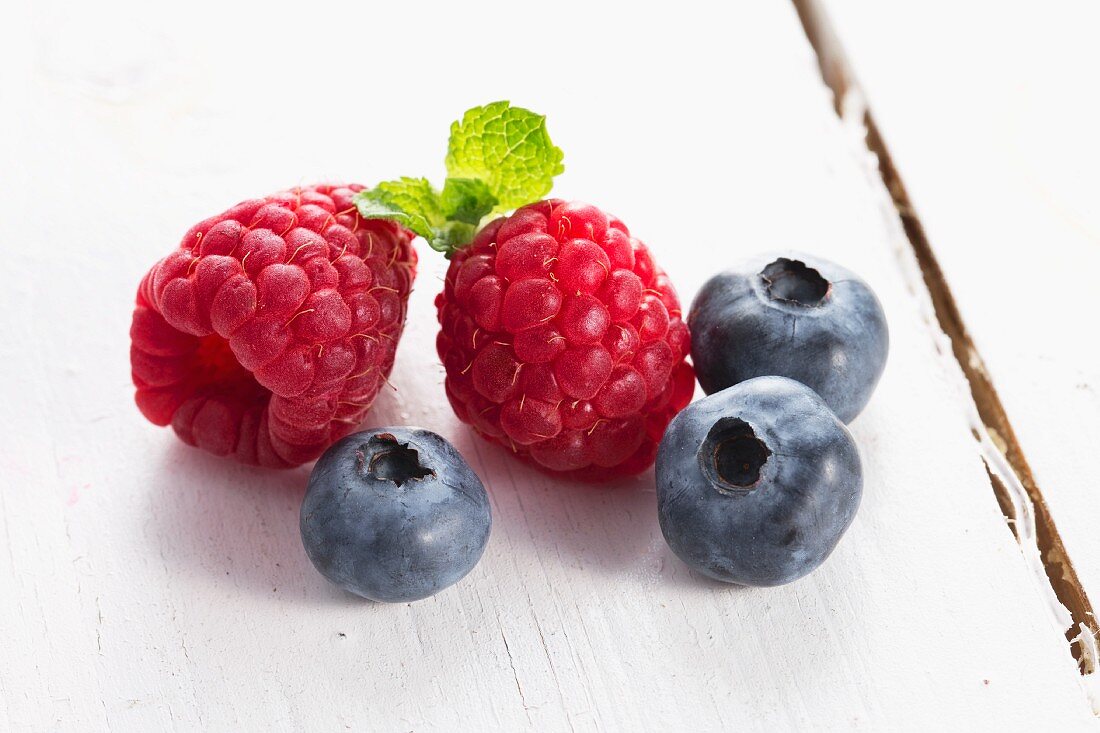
(153, 587)
(998, 155)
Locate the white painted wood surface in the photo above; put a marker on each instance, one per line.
(147, 586)
(997, 143)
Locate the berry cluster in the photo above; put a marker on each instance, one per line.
(563, 341)
(267, 334)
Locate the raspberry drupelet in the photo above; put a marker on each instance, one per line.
(564, 342)
(267, 334)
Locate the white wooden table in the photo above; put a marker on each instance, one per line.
(147, 586)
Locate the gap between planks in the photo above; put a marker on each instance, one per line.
(1010, 476)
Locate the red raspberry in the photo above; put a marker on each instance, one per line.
(564, 342)
(267, 334)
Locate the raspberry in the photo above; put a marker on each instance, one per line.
(267, 334)
(564, 342)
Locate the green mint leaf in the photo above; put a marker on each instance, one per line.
(371, 208)
(508, 148)
(499, 158)
(413, 203)
(466, 200)
(410, 201)
(452, 236)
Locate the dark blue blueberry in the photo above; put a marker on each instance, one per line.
(757, 483)
(394, 514)
(800, 317)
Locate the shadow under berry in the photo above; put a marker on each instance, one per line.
(235, 526)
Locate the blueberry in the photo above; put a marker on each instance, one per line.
(394, 514)
(757, 483)
(799, 317)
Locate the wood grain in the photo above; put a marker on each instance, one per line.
(1009, 133)
(149, 586)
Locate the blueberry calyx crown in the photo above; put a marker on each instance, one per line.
(733, 457)
(390, 460)
(793, 281)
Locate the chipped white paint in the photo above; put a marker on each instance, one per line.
(1090, 653)
(150, 587)
(999, 157)
(853, 113)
